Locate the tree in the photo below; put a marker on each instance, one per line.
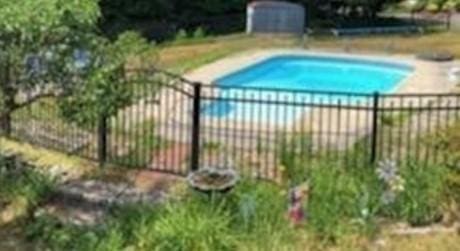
(52, 48)
(105, 89)
(38, 39)
(177, 14)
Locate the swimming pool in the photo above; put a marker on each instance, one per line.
(293, 79)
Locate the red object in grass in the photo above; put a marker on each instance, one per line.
(296, 212)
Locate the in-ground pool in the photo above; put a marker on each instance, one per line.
(292, 79)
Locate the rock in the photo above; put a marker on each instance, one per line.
(16, 209)
(87, 202)
(433, 229)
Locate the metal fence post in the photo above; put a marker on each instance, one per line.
(375, 127)
(102, 141)
(195, 157)
(448, 20)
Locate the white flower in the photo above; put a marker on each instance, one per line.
(387, 170)
(397, 184)
(388, 197)
(365, 212)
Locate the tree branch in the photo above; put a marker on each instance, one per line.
(36, 97)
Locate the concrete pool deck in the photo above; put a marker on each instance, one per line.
(427, 77)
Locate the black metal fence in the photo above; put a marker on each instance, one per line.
(174, 125)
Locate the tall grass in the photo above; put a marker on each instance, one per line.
(252, 217)
(422, 199)
(21, 182)
(342, 201)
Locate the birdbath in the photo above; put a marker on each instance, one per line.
(211, 180)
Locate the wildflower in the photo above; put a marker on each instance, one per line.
(388, 197)
(396, 184)
(387, 170)
(365, 213)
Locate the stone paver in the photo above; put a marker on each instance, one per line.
(85, 202)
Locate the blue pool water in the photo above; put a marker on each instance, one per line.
(291, 79)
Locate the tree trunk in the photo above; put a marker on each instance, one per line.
(7, 109)
(5, 124)
(8, 103)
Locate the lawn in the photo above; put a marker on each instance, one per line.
(184, 57)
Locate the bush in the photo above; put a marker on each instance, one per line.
(19, 180)
(199, 33)
(181, 35)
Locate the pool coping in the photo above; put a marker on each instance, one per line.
(423, 79)
(426, 78)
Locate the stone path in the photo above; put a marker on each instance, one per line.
(172, 157)
(86, 202)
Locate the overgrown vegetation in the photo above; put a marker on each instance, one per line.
(250, 217)
(421, 201)
(22, 189)
(342, 202)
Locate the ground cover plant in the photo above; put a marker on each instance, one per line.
(22, 189)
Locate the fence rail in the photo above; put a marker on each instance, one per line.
(174, 125)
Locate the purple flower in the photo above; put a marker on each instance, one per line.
(388, 197)
(387, 170)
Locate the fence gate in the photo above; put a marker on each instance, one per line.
(154, 130)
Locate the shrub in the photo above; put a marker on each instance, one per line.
(19, 180)
(181, 35)
(199, 33)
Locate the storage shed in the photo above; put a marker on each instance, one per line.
(275, 17)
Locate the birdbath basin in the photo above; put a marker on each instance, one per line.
(209, 180)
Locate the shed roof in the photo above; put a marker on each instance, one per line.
(274, 4)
